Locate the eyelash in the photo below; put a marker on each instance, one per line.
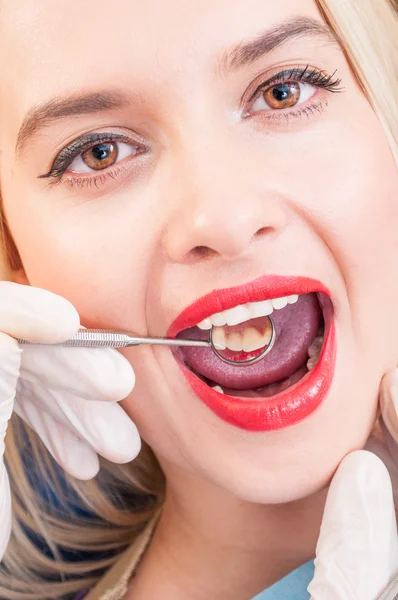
(308, 75)
(66, 157)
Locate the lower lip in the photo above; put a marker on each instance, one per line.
(283, 410)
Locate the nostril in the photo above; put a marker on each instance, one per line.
(202, 252)
(262, 231)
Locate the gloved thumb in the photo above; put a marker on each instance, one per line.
(357, 550)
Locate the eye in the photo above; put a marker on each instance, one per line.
(283, 95)
(101, 156)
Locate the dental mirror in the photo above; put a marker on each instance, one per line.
(105, 338)
(264, 339)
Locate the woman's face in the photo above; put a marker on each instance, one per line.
(174, 174)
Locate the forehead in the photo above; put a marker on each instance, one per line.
(87, 42)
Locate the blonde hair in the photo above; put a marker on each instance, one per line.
(56, 516)
(368, 31)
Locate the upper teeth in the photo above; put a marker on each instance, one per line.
(245, 312)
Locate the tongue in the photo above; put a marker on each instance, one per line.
(296, 326)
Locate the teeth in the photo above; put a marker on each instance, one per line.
(311, 364)
(315, 348)
(218, 319)
(260, 309)
(253, 340)
(245, 312)
(234, 341)
(205, 324)
(314, 352)
(219, 338)
(236, 315)
(218, 389)
(279, 303)
(250, 339)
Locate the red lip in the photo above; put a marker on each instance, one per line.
(288, 407)
(263, 288)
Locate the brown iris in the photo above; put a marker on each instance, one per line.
(100, 156)
(282, 95)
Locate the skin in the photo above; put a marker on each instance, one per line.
(216, 198)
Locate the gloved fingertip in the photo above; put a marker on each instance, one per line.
(68, 325)
(124, 384)
(357, 541)
(128, 385)
(123, 444)
(124, 454)
(361, 480)
(128, 453)
(73, 455)
(88, 472)
(84, 467)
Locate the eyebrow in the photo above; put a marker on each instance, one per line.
(242, 55)
(247, 53)
(61, 107)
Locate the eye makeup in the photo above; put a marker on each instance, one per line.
(307, 74)
(277, 88)
(87, 142)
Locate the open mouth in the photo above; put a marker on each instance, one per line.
(284, 386)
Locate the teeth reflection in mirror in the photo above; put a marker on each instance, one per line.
(234, 341)
(253, 340)
(219, 338)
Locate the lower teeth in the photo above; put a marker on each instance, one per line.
(218, 388)
(314, 352)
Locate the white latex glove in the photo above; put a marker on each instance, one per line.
(357, 551)
(67, 395)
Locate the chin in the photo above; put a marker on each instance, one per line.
(298, 478)
(294, 463)
(285, 487)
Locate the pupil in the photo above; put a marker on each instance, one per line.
(281, 92)
(101, 151)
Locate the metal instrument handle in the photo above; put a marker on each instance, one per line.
(108, 338)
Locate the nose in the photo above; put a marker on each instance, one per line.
(221, 213)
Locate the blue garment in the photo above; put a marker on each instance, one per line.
(292, 587)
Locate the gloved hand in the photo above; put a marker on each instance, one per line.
(357, 551)
(67, 395)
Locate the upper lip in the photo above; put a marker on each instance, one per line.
(262, 288)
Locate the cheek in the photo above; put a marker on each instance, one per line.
(367, 251)
(88, 255)
(354, 213)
